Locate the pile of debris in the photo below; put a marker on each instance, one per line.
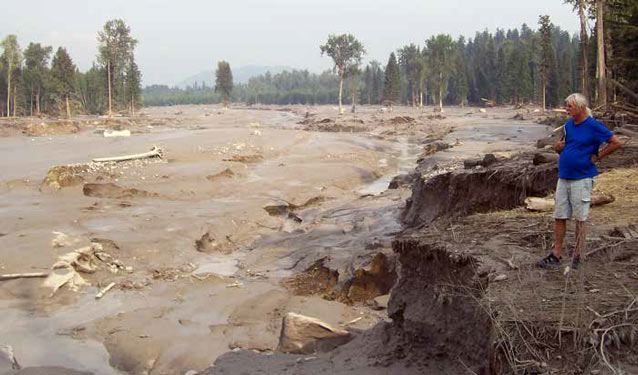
(62, 176)
(401, 120)
(350, 125)
(70, 267)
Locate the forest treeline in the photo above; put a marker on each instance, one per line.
(36, 80)
(503, 67)
(539, 64)
(517, 66)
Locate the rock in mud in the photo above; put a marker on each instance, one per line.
(303, 334)
(111, 190)
(433, 148)
(206, 243)
(486, 161)
(131, 353)
(471, 163)
(277, 209)
(226, 173)
(545, 157)
(400, 181)
(381, 302)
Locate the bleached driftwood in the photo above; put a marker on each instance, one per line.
(11, 276)
(155, 152)
(559, 129)
(104, 291)
(547, 204)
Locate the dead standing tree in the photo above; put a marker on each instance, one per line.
(600, 66)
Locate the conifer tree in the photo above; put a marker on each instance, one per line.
(91, 90)
(460, 75)
(546, 61)
(36, 61)
(133, 88)
(412, 63)
(63, 74)
(368, 79)
(501, 76)
(392, 82)
(623, 18)
(224, 81)
(378, 77)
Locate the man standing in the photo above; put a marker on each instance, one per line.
(579, 153)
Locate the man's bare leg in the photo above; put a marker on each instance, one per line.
(581, 236)
(560, 227)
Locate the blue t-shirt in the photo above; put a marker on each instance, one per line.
(581, 142)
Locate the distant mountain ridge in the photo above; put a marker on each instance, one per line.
(240, 75)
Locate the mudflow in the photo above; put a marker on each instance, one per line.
(250, 213)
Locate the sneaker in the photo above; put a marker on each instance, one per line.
(575, 262)
(550, 260)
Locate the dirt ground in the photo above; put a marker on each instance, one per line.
(213, 244)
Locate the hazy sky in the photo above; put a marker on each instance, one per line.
(179, 38)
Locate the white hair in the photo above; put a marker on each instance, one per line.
(579, 100)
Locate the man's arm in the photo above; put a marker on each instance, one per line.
(613, 144)
(559, 146)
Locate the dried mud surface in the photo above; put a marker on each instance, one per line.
(248, 216)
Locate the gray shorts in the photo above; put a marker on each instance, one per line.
(573, 198)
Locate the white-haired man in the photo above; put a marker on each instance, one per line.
(579, 153)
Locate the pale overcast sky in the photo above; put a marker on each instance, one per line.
(180, 38)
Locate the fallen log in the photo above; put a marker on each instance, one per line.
(539, 204)
(154, 152)
(104, 291)
(624, 88)
(31, 275)
(547, 204)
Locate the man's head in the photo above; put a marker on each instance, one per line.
(577, 107)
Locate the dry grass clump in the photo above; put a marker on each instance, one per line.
(623, 185)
